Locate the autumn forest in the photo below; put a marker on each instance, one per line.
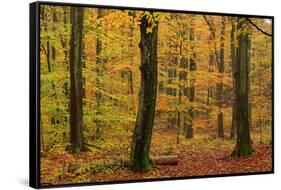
(135, 94)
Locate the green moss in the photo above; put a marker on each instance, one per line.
(243, 150)
(147, 165)
(143, 165)
(246, 150)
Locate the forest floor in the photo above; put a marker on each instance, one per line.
(200, 156)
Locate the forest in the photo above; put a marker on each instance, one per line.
(134, 94)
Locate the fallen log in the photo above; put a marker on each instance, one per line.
(166, 160)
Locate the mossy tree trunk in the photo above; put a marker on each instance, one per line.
(76, 114)
(243, 141)
(140, 160)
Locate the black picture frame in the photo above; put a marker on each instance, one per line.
(34, 92)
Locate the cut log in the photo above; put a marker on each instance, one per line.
(166, 160)
(72, 167)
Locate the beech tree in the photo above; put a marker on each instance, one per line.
(100, 71)
(140, 160)
(220, 85)
(76, 89)
(191, 95)
(243, 141)
(233, 64)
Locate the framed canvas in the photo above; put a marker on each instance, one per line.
(120, 94)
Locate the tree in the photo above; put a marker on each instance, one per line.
(220, 85)
(179, 60)
(140, 160)
(76, 89)
(233, 63)
(100, 70)
(243, 141)
(130, 72)
(192, 68)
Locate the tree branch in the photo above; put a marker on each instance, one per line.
(210, 26)
(258, 28)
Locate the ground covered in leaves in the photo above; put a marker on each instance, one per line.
(200, 156)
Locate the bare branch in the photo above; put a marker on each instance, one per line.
(258, 28)
(210, 26)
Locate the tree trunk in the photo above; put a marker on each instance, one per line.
(233, 63)
(65, 46)
(140, 160)
(210, 70)
(249, 81)
(259, 109)
(100, 71)
(243, 141)
(179, 61)
(220, 86)
(76, 114)
(130, 72)
(192, 67)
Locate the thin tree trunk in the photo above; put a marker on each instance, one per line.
(130, 72)
(210, 70)
(100, 71)
(220, 85)
(249, 81)
(140, 160)
(192, 68)
(259, 112)
(65, 44)
(233, 66)
(233, 63)
(179, 60)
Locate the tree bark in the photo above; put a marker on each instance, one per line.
(100, 71)
(130, 72)
(220, 85)
(140, 160)
(192, 67)
(243, 141)
(249, 81)
(76, 114)
(233, 63)
(179, 60)
(259, 109)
